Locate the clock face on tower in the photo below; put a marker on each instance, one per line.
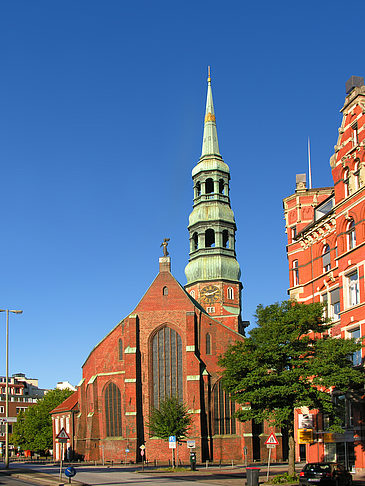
(209, 294)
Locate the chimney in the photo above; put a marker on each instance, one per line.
(354, 82)
(165, 264)
(301, 182)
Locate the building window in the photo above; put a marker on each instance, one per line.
(208, 343)
(346, 181)
(209, 186)
(192, 293)
(355, 135)
(357, 176)
(295, 273)
(221, 186)
(195, 241)
(223, 412)
(113, 411)
(211, 310)
(351, 235)
(225, 239)
(353, 289)
(356, 357)
(167, 372)
(335, 304)
(230, 293)
(326, 258)
(325, 303)
(2, 409)
(120, 349)
(198, 189)
(209, 238)
(165, 291)
(293, 232)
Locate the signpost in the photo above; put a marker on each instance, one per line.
(271, 442)
(142, 447)
(172, 446)
(190, 444)
(62, 438)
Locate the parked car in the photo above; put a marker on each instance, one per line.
(324, 473)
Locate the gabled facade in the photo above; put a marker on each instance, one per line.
(326, 255)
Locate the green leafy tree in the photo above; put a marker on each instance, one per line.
(171, 418)
(287, 362)
(33, 429)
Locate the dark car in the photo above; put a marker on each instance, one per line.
(324, 473)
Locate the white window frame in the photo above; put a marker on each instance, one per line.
(351, 235)
(230, 293)
(295, 270)
(353, 290)
(326, 267)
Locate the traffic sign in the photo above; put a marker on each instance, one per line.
(190, 444)
(272, 440)
(127, 450)
(271, 446)
(142, 452)
(62, 434)
(142, 447)
(172, 442)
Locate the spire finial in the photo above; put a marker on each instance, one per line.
(209, 74)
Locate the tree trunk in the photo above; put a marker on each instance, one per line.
(291, 465)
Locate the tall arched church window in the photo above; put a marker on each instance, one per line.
(223, 412)
(295, 273)
(230, 293)
(326, 258)
(120, 349)
(113, 411)
(167, 372)
(195, 241)
(346, 181)
(351, 235)
(225, 239)
(208, 343)
(209, 238)
(209, 186)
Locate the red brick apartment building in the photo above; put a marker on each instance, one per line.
(170, 343)
(326, 254)
(23, 393)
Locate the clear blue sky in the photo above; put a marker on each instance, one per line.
(101, 119)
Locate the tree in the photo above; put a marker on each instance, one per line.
(171, 418)
(33, 429)
(289, 361)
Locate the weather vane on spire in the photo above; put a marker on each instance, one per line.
(208, 74)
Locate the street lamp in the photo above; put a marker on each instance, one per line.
(7, 385)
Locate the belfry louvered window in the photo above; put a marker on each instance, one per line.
(223, 412)
(166, 365)
(113, 411)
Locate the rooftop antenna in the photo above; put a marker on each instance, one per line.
(309, 164)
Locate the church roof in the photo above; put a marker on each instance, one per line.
(68, 404)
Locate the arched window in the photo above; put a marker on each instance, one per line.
(326, 258)
(351, 235)
(208, 343)
(221, 186)
(223, 411)
(209, 238)
(167, 375)
(225, 239)
(230, 293)
(346, 181)
(120, 349)
(195, 241)
(209, 186)
(192, 293)
(295, 273)
(113, 411)
(165, 291)
(198, 189)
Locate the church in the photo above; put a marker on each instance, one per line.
(170, 344)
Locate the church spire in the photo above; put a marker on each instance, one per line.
(210, 137)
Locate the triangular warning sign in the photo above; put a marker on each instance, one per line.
(62, 434)
(272, 439)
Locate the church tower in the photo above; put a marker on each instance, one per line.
(213, 272)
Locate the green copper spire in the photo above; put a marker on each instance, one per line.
(210, 137)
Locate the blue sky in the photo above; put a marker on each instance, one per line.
(101, 120)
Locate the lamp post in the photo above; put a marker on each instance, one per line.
(7, 385)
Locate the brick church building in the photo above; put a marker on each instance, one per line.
(326, 253)
(170, 345)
